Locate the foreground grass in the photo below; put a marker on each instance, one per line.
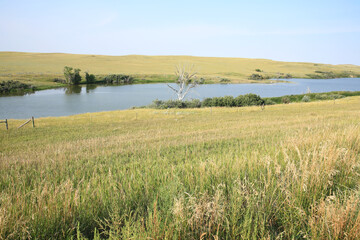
(290, 171)
(40, 69)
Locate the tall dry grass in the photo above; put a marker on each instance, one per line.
(289, 172)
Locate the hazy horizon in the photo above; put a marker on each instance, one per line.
(113, 55)
(297, 31)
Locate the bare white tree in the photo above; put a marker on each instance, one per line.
(186, 80)
(308, 90)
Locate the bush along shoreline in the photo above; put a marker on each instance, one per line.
(310, 97)
(15, 87)
(226, 101)
(249, 100)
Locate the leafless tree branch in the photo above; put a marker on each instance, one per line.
(186, 80)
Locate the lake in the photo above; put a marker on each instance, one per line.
(91, 98)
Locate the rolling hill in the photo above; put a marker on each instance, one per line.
(41, 68)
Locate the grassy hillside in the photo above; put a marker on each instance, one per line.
(291, 171)
(41, 68)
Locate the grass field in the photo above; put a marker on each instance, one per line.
(41, 68)
(288, 172)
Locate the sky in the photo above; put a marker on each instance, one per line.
(322, 31)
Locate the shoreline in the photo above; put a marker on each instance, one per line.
(137, 82)
(295, 99)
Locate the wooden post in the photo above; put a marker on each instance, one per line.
(33, 121)
(24, 123)
(6, 124)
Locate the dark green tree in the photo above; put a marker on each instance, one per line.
(90, 78)
(72, 76)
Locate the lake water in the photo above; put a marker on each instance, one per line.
(69, 101)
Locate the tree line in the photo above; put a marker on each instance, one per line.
(73, 77)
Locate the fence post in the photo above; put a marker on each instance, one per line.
(33, 122)
(24, 123)
(6, 123)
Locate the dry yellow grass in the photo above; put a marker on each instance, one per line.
(39, 68)
(290, 171)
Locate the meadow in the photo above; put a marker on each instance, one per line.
(40, 69)
(290, 171)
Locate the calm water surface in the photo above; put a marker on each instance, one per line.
(64, 102)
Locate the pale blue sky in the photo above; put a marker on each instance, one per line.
(326, 31)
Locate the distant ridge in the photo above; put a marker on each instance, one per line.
(234, 69)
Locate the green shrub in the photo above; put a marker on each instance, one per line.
(217, 102)
(322, 97)
(305, 99)
(159, 104)
(59, 80)
(336, 96)
(14, 86)
(90, 78)
(251, 99)
(207, 102)
(285, 100)
(202, 81)
(224, 80)
(239, 101)
(286, 76)
(269, 102)
(325, 96)
(226, 101)
(312, 96)
(256, 76)
(331, 75)
(72, 76)
(195, 103)
(118, 79)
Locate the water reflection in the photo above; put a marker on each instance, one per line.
(90, 87)
(92, 98)
(18, 92)
(73, 89)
